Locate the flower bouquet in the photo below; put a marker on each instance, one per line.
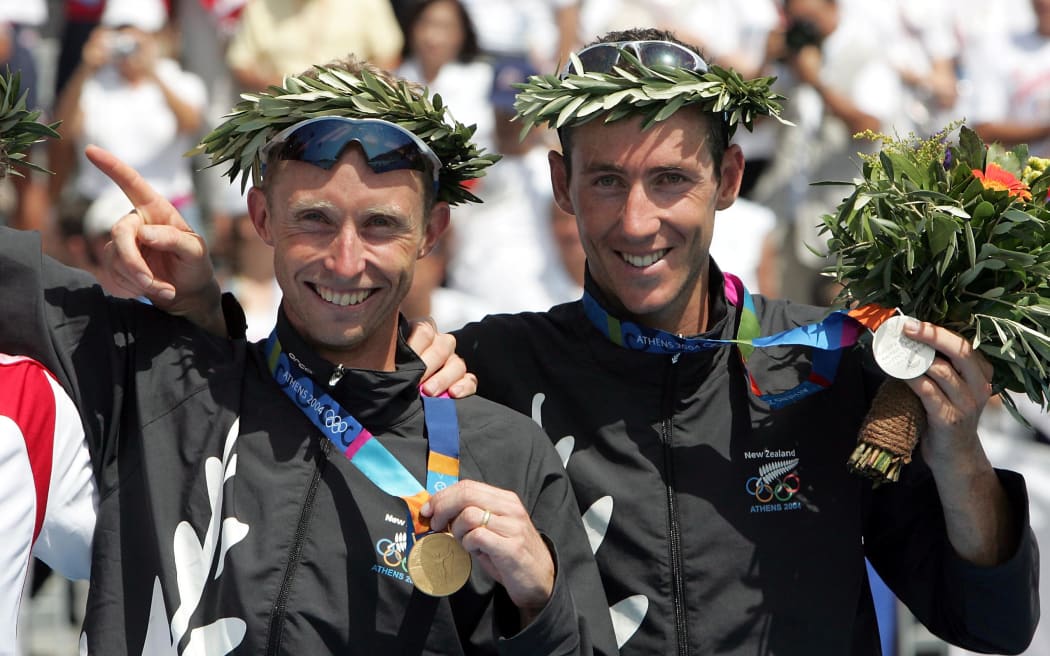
(957, 235)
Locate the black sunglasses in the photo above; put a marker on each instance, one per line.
(322, 141)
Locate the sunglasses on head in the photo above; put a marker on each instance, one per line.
(603, 57)
(322, 141)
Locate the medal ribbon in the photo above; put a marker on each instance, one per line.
(829, 337)
(366, 453)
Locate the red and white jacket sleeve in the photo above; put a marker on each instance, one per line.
(48, 498)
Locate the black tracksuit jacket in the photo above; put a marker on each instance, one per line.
(724, 527)
(227, 524)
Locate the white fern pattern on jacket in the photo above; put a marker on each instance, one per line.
(627, 614)
(193, 562)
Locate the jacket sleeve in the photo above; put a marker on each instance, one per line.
(60, 317)
(576, 620)
(983, 609)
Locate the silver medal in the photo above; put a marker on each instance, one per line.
(898, 355)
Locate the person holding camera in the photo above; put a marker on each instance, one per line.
(130, 98)
(835, 68)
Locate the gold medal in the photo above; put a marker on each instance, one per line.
(438, 564)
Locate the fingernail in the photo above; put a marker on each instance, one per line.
(911, 325)
(166, 294)
(144, 279)
(425, 510)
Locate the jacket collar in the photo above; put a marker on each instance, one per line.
(377, 399)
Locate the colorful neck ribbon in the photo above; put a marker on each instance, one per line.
(830, 337)
(362, 449)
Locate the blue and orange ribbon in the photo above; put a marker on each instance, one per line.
(837, 331)
(361, 448)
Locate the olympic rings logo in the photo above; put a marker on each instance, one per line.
(393, 552)
(782, 490)
(334, 422)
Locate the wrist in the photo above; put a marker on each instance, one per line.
(205, 308)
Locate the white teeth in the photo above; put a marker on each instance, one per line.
(342, 298)
(644, 260)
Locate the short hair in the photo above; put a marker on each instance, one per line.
(717, 130)
(355, 66)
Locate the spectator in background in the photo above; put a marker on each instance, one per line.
(129, 98)
(205, 29)
(539, 31)
(1011, 78)
(441, 53)
(502, 251)
(924, 50)
(280, 37)
(79, 20)
(835, 70)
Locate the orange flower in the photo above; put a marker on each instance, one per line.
(998, 178)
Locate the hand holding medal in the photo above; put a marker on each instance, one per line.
(494, 526)
(450, 519)
(955, 236)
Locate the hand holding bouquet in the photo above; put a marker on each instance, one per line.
(959, 236)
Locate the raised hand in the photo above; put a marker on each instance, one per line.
(154, 253)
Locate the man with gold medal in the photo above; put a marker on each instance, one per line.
(300, 494)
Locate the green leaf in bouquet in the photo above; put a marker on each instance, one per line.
(984, 211)
(971, 150)
(942, 230)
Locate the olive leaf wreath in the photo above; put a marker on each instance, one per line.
(19, 128)
(331, 91)
(654, 92)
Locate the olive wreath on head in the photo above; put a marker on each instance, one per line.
(19, 128)
(653, 91)
(333, 91)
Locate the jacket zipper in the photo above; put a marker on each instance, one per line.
(674, 537)
(277, 613)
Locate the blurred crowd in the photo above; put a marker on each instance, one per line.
(146, 79)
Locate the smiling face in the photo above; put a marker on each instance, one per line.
(345, 245)
(645, 204)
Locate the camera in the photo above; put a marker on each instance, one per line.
(801, 33)
(123, 45)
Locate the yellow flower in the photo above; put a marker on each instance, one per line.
(1036, 167)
